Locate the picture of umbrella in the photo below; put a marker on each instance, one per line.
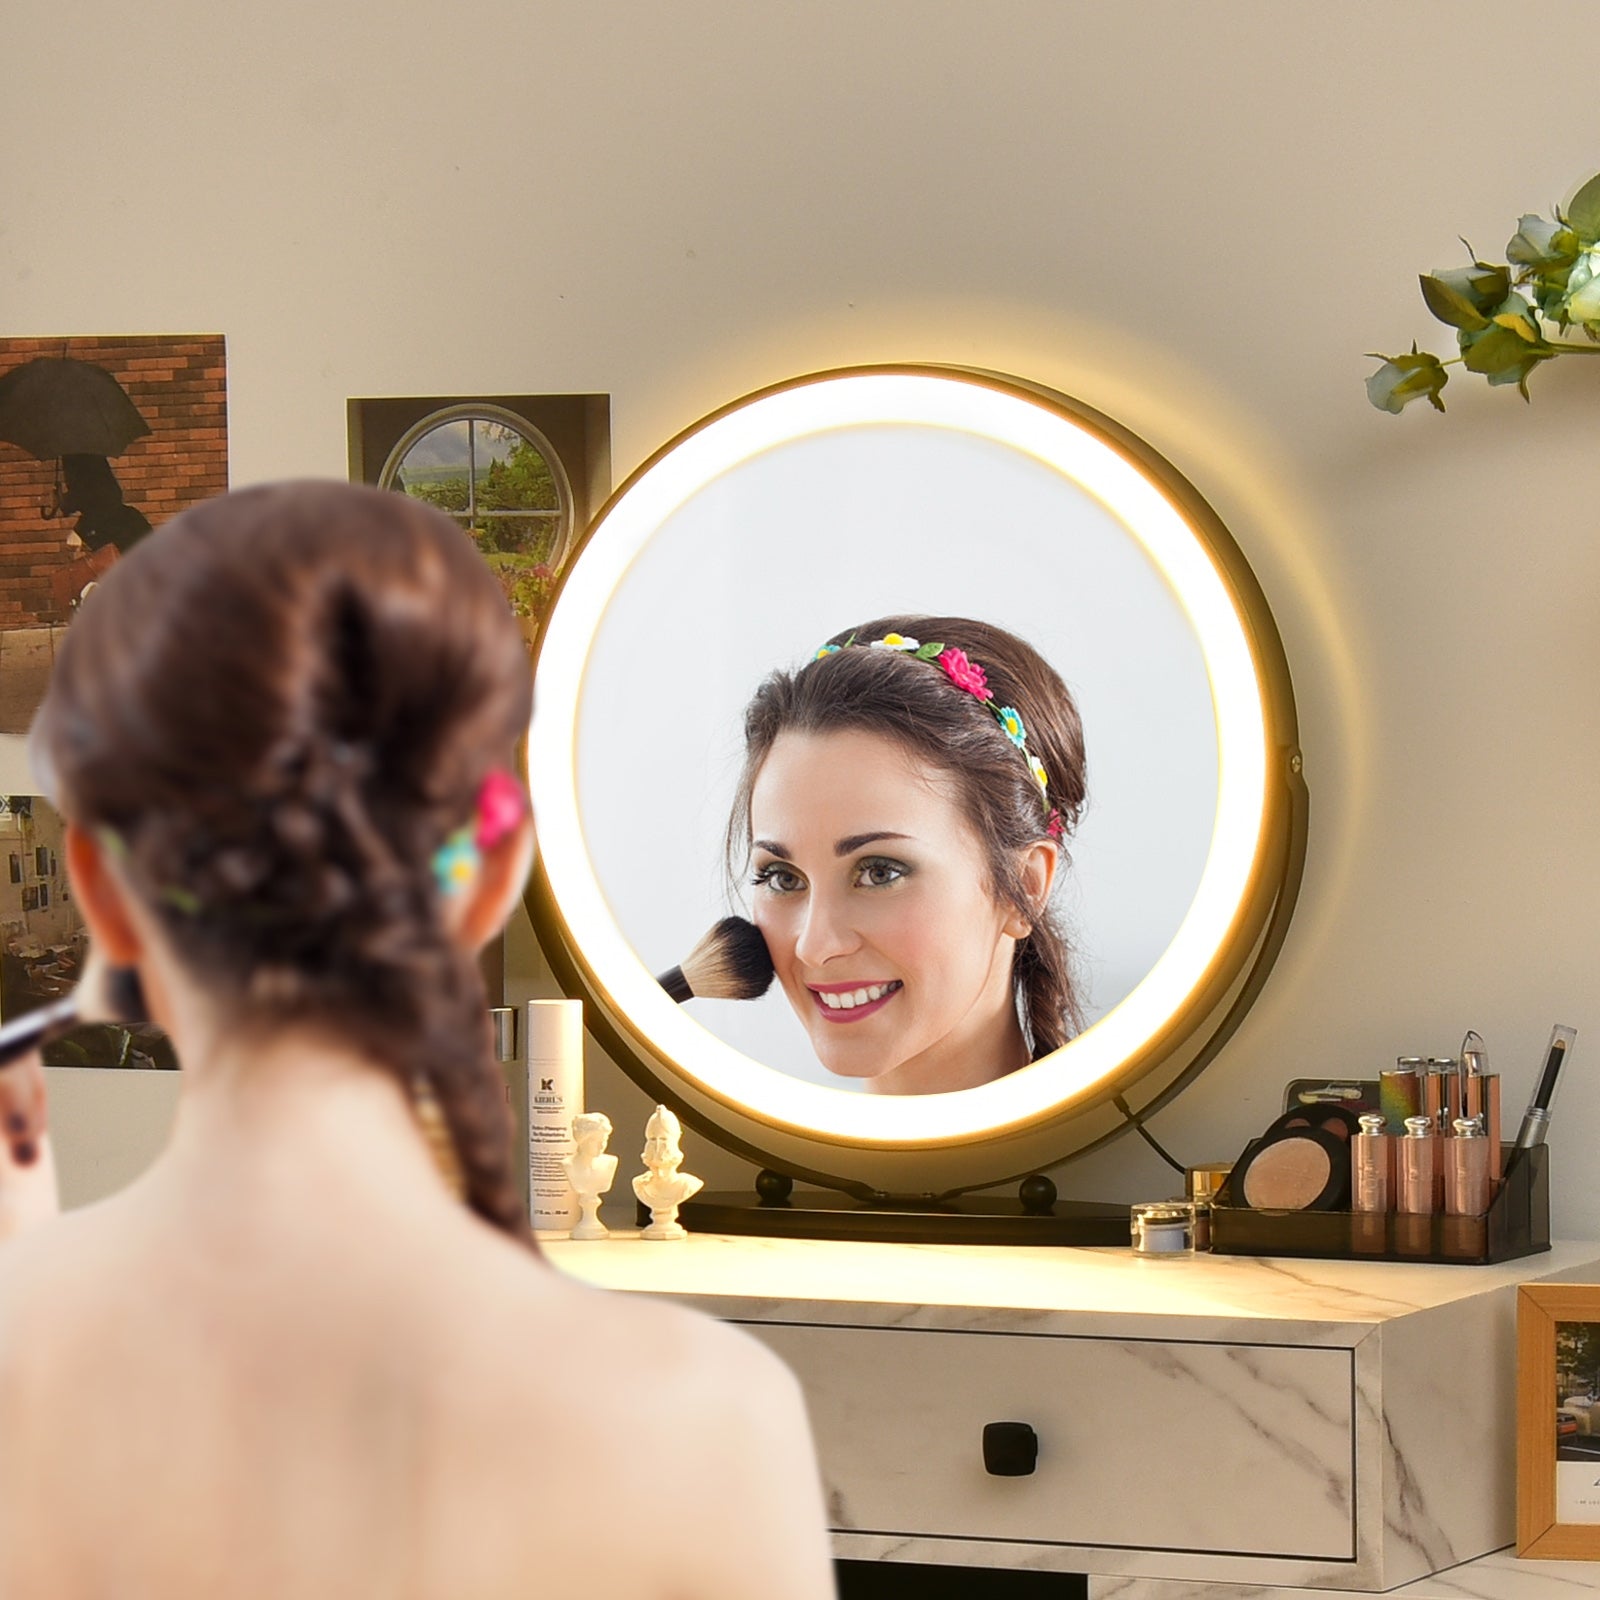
(55, 406)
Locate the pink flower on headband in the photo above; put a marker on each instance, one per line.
(1055, 827)
(965, 674)
(501, 805)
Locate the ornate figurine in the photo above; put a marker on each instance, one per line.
(662, 1187)
(590, 1171)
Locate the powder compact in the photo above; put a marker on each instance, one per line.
(1301, 1163)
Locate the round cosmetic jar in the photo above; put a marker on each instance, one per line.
(1165, 1228)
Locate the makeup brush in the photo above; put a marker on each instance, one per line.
(103, 994)
(730, 963)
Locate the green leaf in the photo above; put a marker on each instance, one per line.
(1402, 379)
(1465, 297)
(1583, 215)
(930, 652)
(1503, 356)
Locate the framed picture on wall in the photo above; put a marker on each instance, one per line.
(30, 898)
(16, 868)
(52, 863)
(1558, 1421)
(44, 896)
(102, 437)
(41, 861)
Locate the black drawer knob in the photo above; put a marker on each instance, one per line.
(1010, 1449)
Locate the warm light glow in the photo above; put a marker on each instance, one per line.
(1041, 431)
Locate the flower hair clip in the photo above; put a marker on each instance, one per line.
(970, 678)
(497, 813)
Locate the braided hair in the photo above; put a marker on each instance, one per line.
(280, 704)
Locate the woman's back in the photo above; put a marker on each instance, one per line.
(289, 1361)
(326, 1379)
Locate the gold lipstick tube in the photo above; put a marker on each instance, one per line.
(1417, 1169)
(1466, 1170)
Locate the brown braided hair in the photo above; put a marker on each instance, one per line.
(913, 703)
(281, 703)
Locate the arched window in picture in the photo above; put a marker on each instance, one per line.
(504, 482)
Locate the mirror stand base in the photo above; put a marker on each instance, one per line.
(965, 1219)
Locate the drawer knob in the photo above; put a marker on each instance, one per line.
(1010, 1449)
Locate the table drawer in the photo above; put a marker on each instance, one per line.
(1144, 1444)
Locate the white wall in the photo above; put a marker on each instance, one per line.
(1193, 216)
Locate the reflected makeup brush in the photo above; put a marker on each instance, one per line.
(731, 963)
(104, 994)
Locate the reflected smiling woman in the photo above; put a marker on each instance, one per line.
(901, 820)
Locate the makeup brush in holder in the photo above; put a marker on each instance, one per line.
(731, 963)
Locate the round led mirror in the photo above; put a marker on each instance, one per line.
(1046, 553)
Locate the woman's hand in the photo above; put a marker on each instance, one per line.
(27, 1169)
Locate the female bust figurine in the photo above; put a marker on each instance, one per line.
(903, 815)
(590, 1171)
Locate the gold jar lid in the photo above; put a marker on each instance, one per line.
(1203, 1182)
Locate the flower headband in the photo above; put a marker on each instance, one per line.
(969, 677)
(497, 812)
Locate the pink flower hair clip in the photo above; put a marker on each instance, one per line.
(498, 811)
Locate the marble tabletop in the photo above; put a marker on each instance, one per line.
(1499, 1576)
(1039, 1288)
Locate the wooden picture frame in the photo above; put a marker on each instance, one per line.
(1558, 1433)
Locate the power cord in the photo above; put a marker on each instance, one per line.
(1145, 1134)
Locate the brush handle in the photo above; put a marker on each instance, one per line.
(37, 1027)
(676, 985)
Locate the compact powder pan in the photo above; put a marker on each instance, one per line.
(1295, 1169)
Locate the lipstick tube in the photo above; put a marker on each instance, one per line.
(1417, 1169)
(1466, 1170)
(1400, 1092)
(1481, 1101)
(1371, 1165)
(1441, 1094)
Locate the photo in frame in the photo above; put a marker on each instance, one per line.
(102, 437)
(1558, 1421)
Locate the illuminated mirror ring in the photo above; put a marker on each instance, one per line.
(1195, 990)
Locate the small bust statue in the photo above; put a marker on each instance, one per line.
(662, 1187)
(590, 1171)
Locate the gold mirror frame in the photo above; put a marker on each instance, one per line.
(973, 1138)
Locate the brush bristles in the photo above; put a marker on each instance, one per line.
(730, 963)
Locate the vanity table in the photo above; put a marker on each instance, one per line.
(1208, 1428)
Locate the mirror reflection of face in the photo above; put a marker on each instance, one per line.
(873, 894)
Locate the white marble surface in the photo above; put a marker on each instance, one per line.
(1036, 1289)
(1499, 1576)
(1401, 1468)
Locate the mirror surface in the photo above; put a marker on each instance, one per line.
(801, 512)
(806, 540)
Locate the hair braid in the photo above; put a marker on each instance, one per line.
(362, 672)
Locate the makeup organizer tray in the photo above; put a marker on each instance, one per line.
(1516, 1224)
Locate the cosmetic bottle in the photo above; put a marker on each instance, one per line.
(555, 1097)
(1372, 1164)
(1416, 1169)
(1466, 1170)
(1371, 1185)
(1166, 1228)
